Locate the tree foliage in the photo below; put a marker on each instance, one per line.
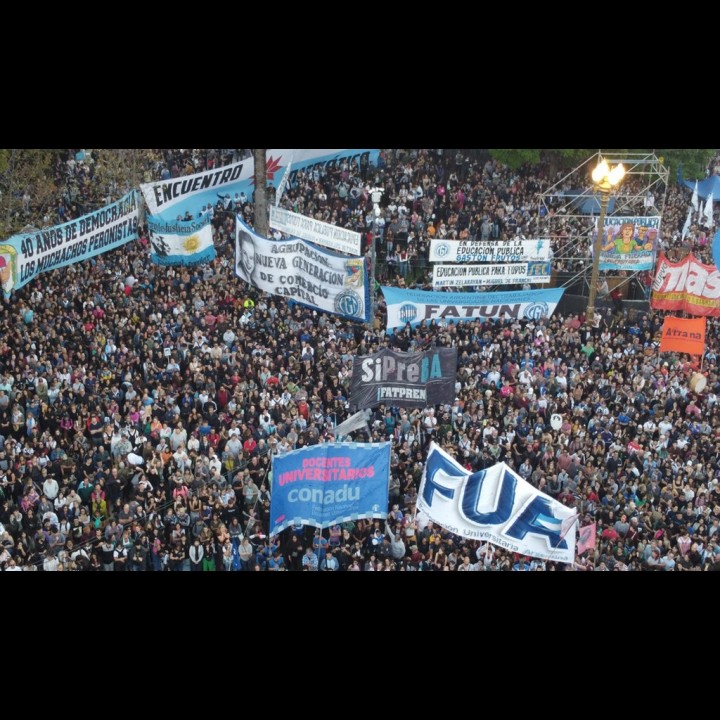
(27, 187)
(694, 162)
(555, 158)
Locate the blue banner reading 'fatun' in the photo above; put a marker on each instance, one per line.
(416, 306)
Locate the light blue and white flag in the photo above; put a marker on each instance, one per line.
(303, 273)
(181, 243)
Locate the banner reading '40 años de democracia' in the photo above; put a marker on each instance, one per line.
(298, 271)
(331, 483)
(24, 257)
(414, 306)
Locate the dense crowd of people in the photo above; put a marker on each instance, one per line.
(140, 406)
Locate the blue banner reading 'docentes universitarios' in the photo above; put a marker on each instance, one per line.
(331, 483)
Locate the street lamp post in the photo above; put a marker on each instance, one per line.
(376, 194)
(605, 180)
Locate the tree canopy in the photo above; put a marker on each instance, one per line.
(694, 162)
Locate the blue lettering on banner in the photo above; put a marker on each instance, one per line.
(536, 517)
(431, 486)
(505, 502)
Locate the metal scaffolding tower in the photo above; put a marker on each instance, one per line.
(572, 204)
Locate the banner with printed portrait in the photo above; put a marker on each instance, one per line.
(23, 257)
(629, 243)
(298, 271)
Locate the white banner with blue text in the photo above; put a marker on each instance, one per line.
(498, 506)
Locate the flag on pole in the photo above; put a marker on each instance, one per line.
(686, 226)
(694, 200)
(358, 421)
(709, 211)
(286, 177)
(567, 524)
(586, 538)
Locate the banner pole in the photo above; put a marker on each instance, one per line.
(284, 181)
(575, 519)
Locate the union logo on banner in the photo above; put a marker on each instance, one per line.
(407, 313)
(537, 311)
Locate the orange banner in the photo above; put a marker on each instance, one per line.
(683, 335)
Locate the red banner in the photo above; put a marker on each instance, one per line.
(683, 335)
(689, 286)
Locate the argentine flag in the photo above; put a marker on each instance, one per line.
(181, 243)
